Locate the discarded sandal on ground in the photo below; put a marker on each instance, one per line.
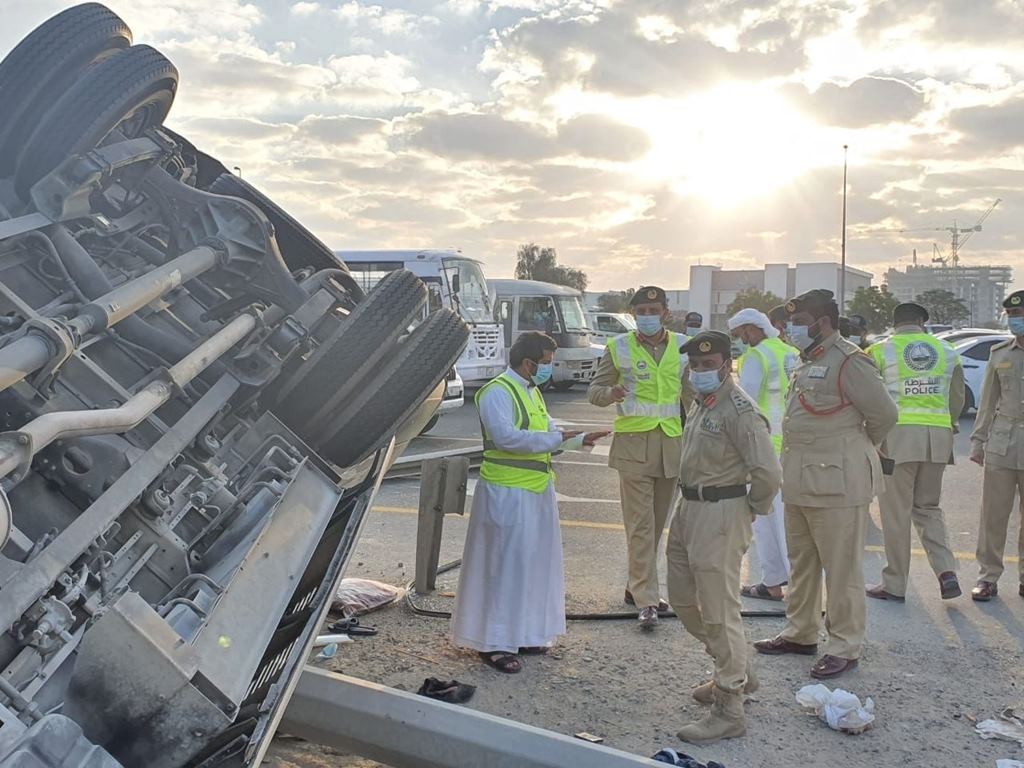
(451, 691)
(760, 592)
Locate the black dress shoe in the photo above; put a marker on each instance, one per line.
(949, 587)
(879, 593)
(984, 591)
(831, 666)
(776, 646)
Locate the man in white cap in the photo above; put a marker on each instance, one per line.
(764, 369)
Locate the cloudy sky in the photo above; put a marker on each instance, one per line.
(635, 136)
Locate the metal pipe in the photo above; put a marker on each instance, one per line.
(17, 448)
(23, 357)
(129, 298)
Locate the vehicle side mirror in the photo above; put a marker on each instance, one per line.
(455, 283)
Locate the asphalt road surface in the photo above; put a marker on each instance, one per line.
(932, 666)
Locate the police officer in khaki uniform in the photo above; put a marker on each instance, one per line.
(997, 443)
(727, 445)
(838, 413)
(641, 374)
(926, 379)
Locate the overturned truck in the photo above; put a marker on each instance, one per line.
(197, 403)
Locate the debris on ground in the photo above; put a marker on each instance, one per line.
(324, 640)
(840, 709)
(352, 628)
(451, 691)
(355, 597)
(329, 651)
(1007, 763)
(1009, 726)
(671, 757)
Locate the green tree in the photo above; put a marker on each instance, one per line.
(615, 301)
(943, 306)
(536, 263)
(752, 298)
(875, 305)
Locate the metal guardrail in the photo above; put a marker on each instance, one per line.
(411, 465)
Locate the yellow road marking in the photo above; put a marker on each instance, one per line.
(617, 527)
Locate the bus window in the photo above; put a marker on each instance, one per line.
(505, 318)
(369, 273)
(537, 313)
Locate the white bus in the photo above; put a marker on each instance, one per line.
(454, 281)
(529, 305)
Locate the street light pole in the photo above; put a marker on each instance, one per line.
(842, 257)
(239, 171)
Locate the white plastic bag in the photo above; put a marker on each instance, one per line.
(1009, 726)
(358, 596)
(840, 709)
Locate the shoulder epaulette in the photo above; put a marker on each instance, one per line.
(742, 400)
(848, 348)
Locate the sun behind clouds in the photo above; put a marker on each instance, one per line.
(734, 143)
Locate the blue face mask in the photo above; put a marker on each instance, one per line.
(799, 335)
(705, 382)
(543, 374)
(648, 325)
(855, 340)
(1016, 325)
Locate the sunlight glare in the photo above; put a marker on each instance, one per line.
(734, 143)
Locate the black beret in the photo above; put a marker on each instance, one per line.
(694, 316)
(649, 294)
(708, 343)
(1015, 300)
(815, 301)
(909, 311)
(858, 321)
(844, 326)
(778, 313)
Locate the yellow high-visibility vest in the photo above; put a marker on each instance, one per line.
(652, 388)
(918, 369)
(529, 471)
(778, 360)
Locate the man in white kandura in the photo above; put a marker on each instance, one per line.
(764, 370)
(511, 597)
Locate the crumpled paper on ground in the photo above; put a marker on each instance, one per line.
(840, 709)
(1009, 726)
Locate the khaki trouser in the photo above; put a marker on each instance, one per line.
(831, 539)
(706, 544)
(997, 493)
(646, 502)
(912, 495)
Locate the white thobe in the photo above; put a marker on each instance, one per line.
(512, 584)
(769, 530)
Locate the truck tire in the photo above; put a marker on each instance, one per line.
(300, 247)
(340, 365)
(418, 364)
(44, 65)
(132, 89)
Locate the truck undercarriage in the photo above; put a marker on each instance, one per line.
(197, 404)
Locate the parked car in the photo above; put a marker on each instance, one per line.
(974, 354)
(607, 325)
(962, 334)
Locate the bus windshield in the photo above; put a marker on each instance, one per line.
(473, 301)
(572, 313)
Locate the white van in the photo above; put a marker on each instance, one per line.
(454, 281)
(529, 305)
(608, 325)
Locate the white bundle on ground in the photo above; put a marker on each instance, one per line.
(1009, 726)
(840, 709)
(358, 596)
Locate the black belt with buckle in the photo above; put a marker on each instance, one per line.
(712, 493)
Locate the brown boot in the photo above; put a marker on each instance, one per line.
(704, 693)
(725, 720)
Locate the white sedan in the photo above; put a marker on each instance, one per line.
(974, 353)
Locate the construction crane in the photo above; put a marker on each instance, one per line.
(958, 237)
